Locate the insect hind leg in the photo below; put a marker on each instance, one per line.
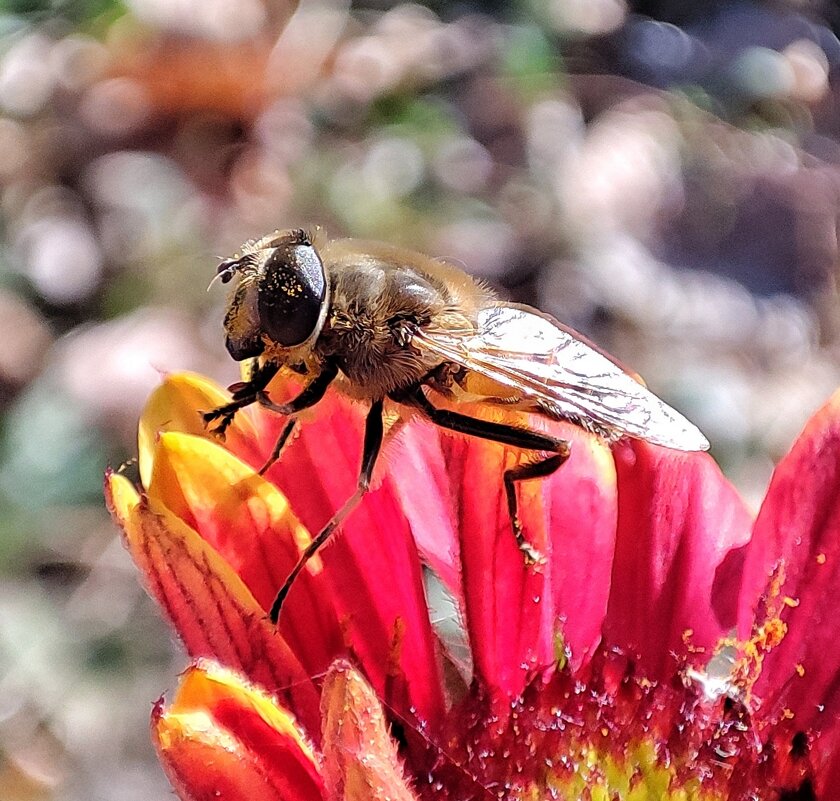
(559, 449)
(523, 472)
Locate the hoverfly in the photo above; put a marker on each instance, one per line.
(384, 323)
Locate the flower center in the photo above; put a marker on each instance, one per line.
(625, 739)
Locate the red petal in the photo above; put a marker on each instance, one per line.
(509, 609)
(678, 518)
(206, 602)
(583, 510)
(513, 609)
(799, 525)
(827, 751)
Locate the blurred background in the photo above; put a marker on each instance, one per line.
(662, 175)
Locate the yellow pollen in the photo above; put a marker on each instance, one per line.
(774, 632)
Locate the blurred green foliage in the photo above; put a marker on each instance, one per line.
(88, 14)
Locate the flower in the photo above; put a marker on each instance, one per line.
(667, 648)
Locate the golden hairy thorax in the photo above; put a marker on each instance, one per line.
(378, 296)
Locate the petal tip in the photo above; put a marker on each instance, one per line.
(121, 497)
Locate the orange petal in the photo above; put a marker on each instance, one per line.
(204, 763)
(249, 522)
(360, 758)
(177, 405)
(206, 602)
(224, 737)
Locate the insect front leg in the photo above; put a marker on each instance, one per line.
(507, 435)
(279, 445)
(310, 395)
(243, 395)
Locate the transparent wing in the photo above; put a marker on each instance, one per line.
(521, 348)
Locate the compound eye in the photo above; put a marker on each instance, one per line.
(292, 292)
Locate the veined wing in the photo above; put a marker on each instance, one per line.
(521, 348)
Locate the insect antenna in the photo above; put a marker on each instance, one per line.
(228, 268)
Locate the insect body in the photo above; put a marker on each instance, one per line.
(382, 322)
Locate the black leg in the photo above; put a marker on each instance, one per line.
(253, 391)
(540, 469)
(374, 431)
(484, 429)
(311, 394)
(280, 444)
(373, 444)
(243, 395)
(507, 435)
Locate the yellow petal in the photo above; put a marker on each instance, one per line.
(177, 405)
(205, 485)
(121, 497)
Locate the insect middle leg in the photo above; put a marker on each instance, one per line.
(507, 435)
(522, 472)
(309, 396)
(374, 434)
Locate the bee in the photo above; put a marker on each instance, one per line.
(381, 323)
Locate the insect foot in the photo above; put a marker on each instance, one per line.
(222, 417)
(531, 554)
